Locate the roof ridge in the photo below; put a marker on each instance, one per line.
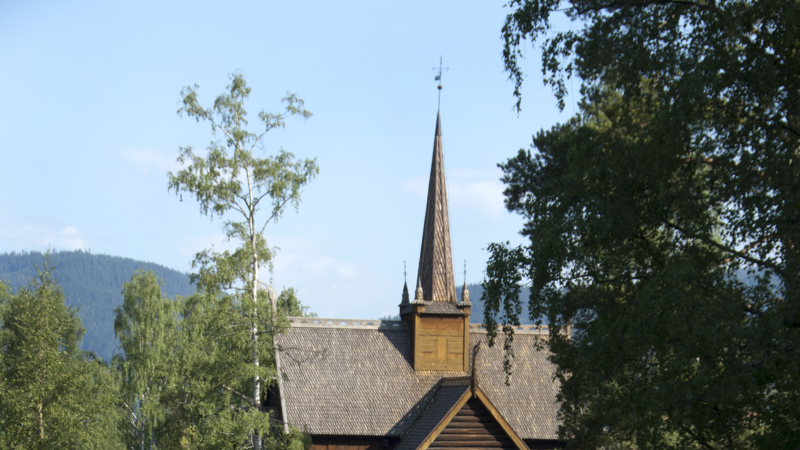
(364, 324)
(522, 329)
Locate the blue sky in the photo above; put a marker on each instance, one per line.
(89, 128)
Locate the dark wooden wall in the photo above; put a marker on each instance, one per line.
(544, 444)
(320, 442)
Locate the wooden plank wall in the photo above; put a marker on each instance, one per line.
(474, 428)
(544, 444)
(352, 443)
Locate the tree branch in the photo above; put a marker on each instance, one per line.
(740, 254)
(641, 5)
(274, 214)
(239, 394)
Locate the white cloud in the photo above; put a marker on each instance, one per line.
(331, 287)
(26, 236)
(191, 245)
(307, 257)
(467, 188)
(147, 159)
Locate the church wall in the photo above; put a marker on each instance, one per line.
(324, 442)
(537, 444)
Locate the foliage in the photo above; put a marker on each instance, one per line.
(681, 172)
(53, 394)
(186, 371)
(290, 306)
(146, 325)
(92, 283)
(232, 179)
(215, 370)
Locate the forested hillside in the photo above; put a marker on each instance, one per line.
(92, 283)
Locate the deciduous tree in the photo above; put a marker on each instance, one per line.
(53, 394)
(147, 327)
(232, 180)
(289, 305)
(663, 220)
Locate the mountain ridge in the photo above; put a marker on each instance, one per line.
(92, 283)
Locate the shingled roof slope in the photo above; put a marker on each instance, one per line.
(529, 403)
(351, 381)
(441, 404)
(356, 381)
(435, 307)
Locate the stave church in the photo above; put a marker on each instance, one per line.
(428, 381)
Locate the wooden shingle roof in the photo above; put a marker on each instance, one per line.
(442, 403)
(436, 307)
(355, 378)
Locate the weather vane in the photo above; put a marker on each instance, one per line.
(439, 79)
(405, 276)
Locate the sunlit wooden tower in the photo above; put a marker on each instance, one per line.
(438, 324)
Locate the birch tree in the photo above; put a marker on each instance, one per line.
(146, 324)
(234, 182)
(52, 394)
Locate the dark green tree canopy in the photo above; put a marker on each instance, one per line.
(680, 174)
(289, 305)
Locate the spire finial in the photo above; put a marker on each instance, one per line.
(439, 79)
(405, 274)
(464, 290)
(405, 290)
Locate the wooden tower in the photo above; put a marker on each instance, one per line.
(438, 323)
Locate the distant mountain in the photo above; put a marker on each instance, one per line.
(92, 283)
(476, 313)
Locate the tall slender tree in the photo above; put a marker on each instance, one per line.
(231, 180)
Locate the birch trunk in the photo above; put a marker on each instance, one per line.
(254, 326)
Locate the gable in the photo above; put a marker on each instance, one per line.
(473, 427)
(461, 417)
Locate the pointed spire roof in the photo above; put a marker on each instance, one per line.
(435, 279)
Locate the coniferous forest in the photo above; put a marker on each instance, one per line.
(93, 284)
(178, 374)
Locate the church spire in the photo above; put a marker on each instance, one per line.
(435, 279)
